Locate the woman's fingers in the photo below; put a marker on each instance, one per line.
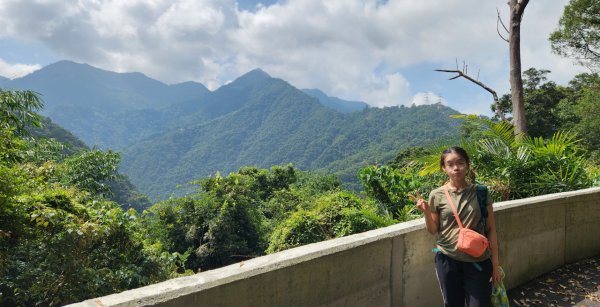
(419, 201)
(422, 205)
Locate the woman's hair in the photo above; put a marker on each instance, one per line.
(457, 150)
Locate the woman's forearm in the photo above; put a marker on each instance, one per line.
(430, 222)
(493, 238)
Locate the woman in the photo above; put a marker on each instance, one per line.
(463, 278)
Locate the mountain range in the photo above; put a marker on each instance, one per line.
(172, 134)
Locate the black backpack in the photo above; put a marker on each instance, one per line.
(482, 199)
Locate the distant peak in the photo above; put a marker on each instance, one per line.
(254, 76)
(67, 63)
(257, 72)
(62, 62)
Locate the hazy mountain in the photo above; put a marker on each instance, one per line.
(3, 81)
(335, 103)
(105, 108)
(261, 121)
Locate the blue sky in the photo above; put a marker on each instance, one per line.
(380, 52)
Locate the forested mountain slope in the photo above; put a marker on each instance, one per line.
(271, 122)
(335, 103)
(101, 107)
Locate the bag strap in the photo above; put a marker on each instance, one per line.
(460, 225)
(482, 193)
(482, 199)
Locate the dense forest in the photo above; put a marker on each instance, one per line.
(68, 230)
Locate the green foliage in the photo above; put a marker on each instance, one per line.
(405, 157)
(334, 215)
(551, 108)
(61, 244)
(389, 186)
(522, 166)
(541, 98)
(17, 109)
(587, 111)
(228, 220)
(49, 130)
(255, 210)
(90, 170)
(541, 101)
(58, 245)
(123, 192)
(12, 148)
(302, 227)
(578, 33)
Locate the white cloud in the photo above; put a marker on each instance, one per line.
(354, 49)
(389, 90)
(423, 98)
(12, 71)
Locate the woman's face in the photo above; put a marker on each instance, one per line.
(455, 166)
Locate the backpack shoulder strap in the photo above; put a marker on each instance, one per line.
(482, 192)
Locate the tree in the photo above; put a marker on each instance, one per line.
(588, 110)
(516, 10)
(334, 215)
(517, 7)
(541, 101)
(580, 111)
(90, 170)
(17, 109)
(60, 245)
(578, 33)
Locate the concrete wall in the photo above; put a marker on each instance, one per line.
(391, 266)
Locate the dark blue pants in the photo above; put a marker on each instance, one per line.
(464, 282)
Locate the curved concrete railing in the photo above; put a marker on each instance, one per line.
(392, 266)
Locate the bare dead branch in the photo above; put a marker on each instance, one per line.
(460, 73)
(498, 23)
(501, 21)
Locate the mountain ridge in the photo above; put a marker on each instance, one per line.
(254, 120)
(279, 124)
(344, 106)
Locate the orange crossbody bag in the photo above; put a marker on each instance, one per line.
(469, 242)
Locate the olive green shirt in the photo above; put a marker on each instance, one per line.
(469, 212)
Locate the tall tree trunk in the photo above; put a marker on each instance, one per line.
(516, 82)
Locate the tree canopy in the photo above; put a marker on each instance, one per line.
(578, 33)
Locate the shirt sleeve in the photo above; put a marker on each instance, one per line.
(433, 203)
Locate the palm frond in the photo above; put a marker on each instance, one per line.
(502, 131)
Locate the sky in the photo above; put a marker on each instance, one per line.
(380, 52)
